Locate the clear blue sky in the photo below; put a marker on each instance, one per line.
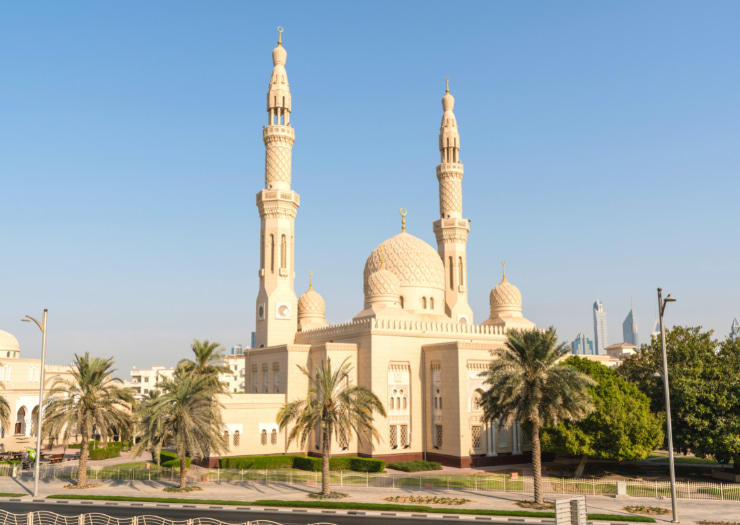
(600, 143)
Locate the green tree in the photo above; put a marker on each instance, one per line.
(91, 401)
(333, 406)
(528, 385)
(186, 409)
(704, 390)
(209, 359)
(621, 427)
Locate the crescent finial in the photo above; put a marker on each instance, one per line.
(310, 280)
(503, 263)
(280, 35)
(447, 82)
(403, 219)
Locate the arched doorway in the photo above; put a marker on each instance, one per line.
(20, 422)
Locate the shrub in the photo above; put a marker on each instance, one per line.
(175, 463)
(415, 466)
(258, 462)
(169, 459)
(307, 463)
(341, 463)
(366, 464)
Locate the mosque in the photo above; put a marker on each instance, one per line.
(414, 341)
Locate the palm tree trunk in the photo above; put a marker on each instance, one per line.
(326, 451)
(183, 467)
(82, 467)
(537, 464)
(581, 466)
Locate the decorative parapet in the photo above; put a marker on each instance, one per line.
(399, 327)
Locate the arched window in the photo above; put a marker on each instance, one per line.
(402, 301)
(226, 438)
(452, 274)
(431, 303)
(273, 437)
(283, 252)
(393, 403)
(272, 253)
(460, 264)
(404, 403)
(263, 437)
(435, 402)
(424, 303)
(236, 438)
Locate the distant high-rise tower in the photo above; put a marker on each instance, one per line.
(582, 345)
(629, 330)
(735, 330)
(600, 328)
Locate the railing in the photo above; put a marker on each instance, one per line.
(52, 518)
(464, 482)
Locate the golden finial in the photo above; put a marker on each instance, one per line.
(310, 280)
(447, 81)
(503, 263)
(403, 219)
(280, 35)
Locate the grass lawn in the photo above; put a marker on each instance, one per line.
(12, 494)
(689, 459)
(352, 506)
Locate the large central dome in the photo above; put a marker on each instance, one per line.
(8, 342)
(414, 262)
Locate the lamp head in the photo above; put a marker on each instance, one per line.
(26, 319)
(670, 299)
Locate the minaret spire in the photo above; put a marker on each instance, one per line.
(278, 205)
(451, 229)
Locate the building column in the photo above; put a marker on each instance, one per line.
(492, 438)
(516, 432)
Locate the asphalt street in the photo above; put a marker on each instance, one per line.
(241, 515)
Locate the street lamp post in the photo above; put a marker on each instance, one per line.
(661, 306)
(42, 327)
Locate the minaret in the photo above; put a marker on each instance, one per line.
(451, 229)
(277, 321)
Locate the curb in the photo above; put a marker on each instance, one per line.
(289, 510)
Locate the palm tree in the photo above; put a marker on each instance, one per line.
(4, 413)
(528, 385)
(91, 401)
(333, 406)
(186, 409)
(209, 360)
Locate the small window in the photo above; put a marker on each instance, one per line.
(273, 437)
(394, 436)
(404, 403)
(236, 438)
(438, 436)
(226, 438)
(263, 437)
(431, 303)
(404, 436)
(393, 403)
(476, 433)
(424, 303)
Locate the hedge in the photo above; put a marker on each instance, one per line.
(415, 466)
(169, 459)
(340, 463)
(258, 462)
(96, 454)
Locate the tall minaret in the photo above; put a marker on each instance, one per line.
(277, 319)
(452, 230)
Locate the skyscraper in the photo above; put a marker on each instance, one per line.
(735, 330)
(629, 330)
(600, 337)
(582, 345)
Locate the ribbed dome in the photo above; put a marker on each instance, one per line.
(311, 304)
(413, 261)
(8, 342)
(383, 282)
(448, 102)
(506, 294)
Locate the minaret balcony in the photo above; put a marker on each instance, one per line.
(448, 167)
(279, 131)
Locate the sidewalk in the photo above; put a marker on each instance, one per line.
(689, 511)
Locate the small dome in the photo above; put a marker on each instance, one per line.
(383, 283)
(311, 304)
(448, 102)
(279, 56)
(8, 342)
(413, 261)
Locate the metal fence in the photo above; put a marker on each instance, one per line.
(52, 518)
(479, 483)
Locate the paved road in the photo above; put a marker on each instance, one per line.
(234, 515)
